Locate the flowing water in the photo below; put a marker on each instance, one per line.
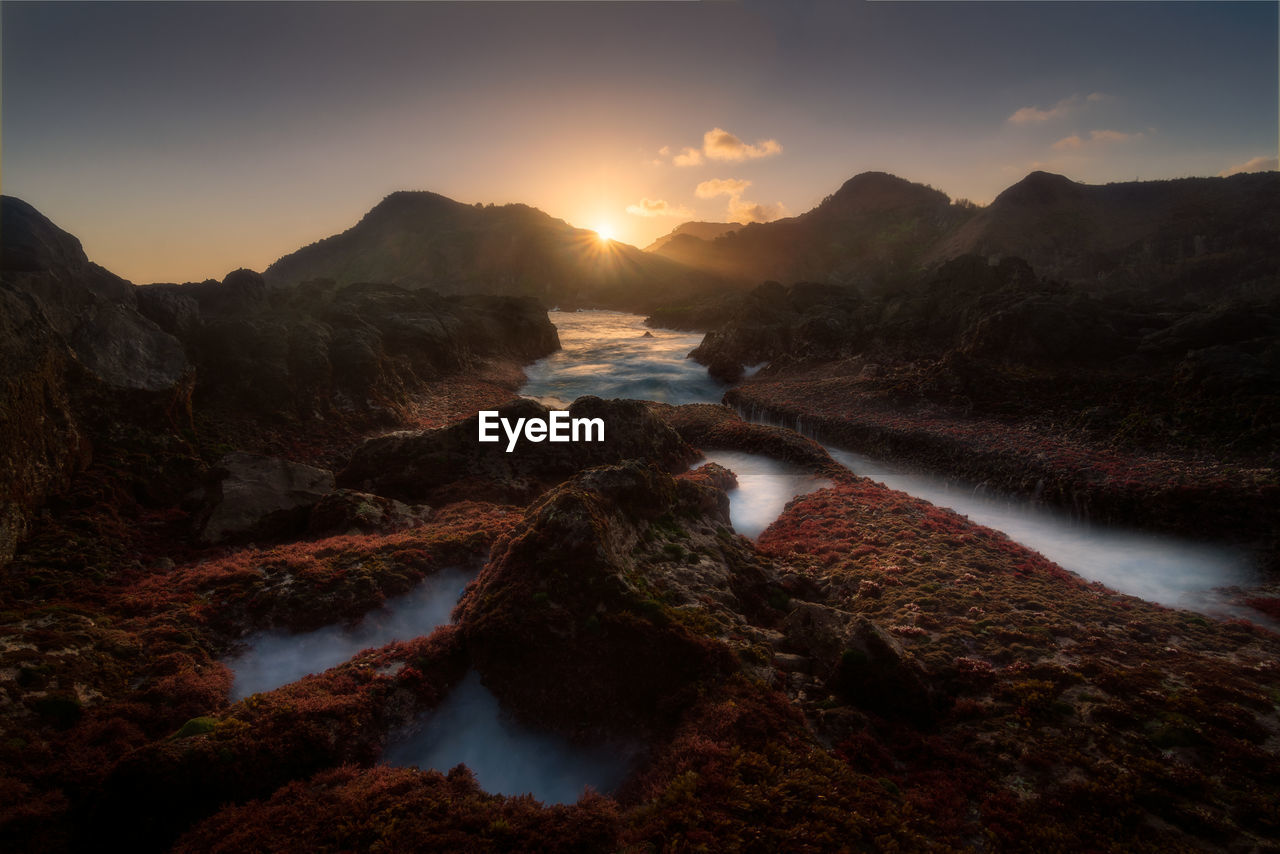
(273, 659)
(765, 485)
(469, 728)
(608, 354)
(1159, 568)
(612, 354)
(605, 355)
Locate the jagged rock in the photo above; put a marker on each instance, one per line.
(128, 351)
(414, 465)
(42, 443)
(77, 360)
(318, 349)
(817, 632)
(620, 592)
(878, 674)
(859, 660)
(346, 511)
(253, 496)
(1046, 328)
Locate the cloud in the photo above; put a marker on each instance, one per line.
(740, 210)
(719, 144)
(688, 157)
(1075, 141)
(1257, 164)
(1035, 115)
(721, 187)
(664, 151)
(658, 207)
(1113, 136)
(744, 212)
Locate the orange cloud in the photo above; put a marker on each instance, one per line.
(688, 157)
(744, 212)
(658, 207)
(721, 187)
(1035, 115)
(719, 144)
(1095, 136)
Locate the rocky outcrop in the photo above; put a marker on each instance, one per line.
(322, 351)
(710, 426)
(417, 466)
(345, 511)
(804, 322)
(253, 497)
(619, 593)
(77, 362)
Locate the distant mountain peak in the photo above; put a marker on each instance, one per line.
(699, 229)
(867, 192)
(1039, 188)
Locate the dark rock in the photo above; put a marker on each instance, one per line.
(878, 675)
(413, 466)
(612, 601)
(253, 496)
(345, 511)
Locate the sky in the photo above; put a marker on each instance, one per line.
(180, 141)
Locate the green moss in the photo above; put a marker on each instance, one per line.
(196, 726)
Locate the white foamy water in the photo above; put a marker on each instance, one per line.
(765, 485)
(276, 658)
(606, 353)
(1159, 568)
(507, 758)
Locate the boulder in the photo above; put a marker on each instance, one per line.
(346, 511)
(618, 594)
(253, 497)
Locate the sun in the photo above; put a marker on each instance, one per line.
(605, 233)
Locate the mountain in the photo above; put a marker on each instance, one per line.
(874, 229)
(416, 239)
(696, 229)
(1187, 235)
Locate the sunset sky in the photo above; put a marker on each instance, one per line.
(180, 141)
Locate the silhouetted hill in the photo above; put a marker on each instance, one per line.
(1182, 236)
(697, 230)
(871, 232)
(1197, 237)
(415, 239)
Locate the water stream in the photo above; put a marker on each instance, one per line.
(272, 659)
(605, 354)
(508, 758)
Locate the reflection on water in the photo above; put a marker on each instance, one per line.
(1158, 568)
(765, 485)
(507, 758)
(606, 353)
(275, 658)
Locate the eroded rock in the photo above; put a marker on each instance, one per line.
(255, 496)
